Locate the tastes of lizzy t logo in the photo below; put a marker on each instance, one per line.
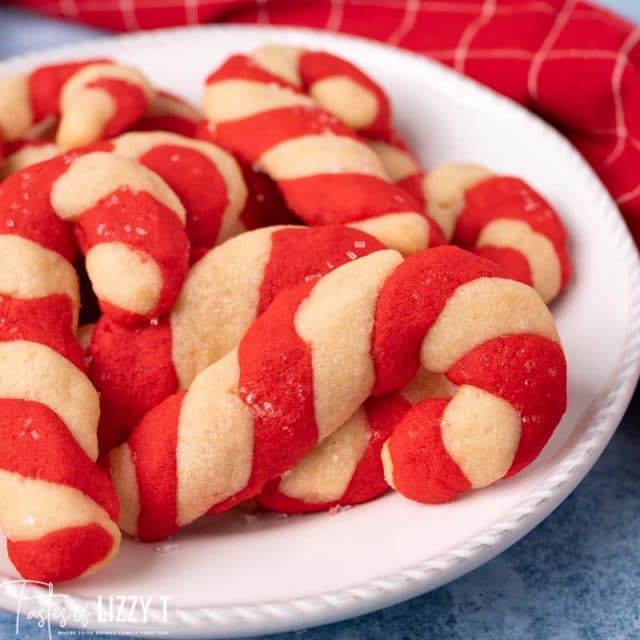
(59, 615)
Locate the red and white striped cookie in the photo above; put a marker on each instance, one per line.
(126, 220)
(325, 172)
(57, 508)
(353, 97)
(335, 84)
(94, 99)
(101, 101)
(168, 112)
(345, 468)
(28, 100)
(501, 218)
(207, 179)
(319, 351)
(135, 368)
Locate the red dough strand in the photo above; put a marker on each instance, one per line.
(252, 136)
(132, 368)
(201, 190)
(352, 197)
(278, 388)
(38, 445)
(25, 210)
(43, 320)
(156, 472)
(64, 554)
(417, 445)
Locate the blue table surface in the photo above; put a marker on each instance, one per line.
(576, 576)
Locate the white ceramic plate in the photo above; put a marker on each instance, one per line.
(238, 575)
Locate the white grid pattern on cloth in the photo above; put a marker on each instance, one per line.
(538, 60)
(335, 15)
(128, 11)
(191, 11)
(409, 16)
(69, 8)
(616, 86)
(481, 12)
(462, 50)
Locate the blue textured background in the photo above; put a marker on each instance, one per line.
(575, 577)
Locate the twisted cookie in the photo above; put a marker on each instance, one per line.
(501, 218)
(206, 178)
(319, 351)
(325, 172)
(135, 368)
(94, 99)
(128, 224)
(57, 508)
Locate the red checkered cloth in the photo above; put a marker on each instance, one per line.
(576, 65)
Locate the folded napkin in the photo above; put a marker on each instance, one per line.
(574, 64)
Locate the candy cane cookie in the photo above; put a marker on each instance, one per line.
(324, 171)
(57, 508)
(319, 351)
(207, 179)
(345, 468)
(94, 99)
(501, 218)
(335, 84)
(135, 368)
(28, 100)
(101, 101)
(125, 219)
(350, 95)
